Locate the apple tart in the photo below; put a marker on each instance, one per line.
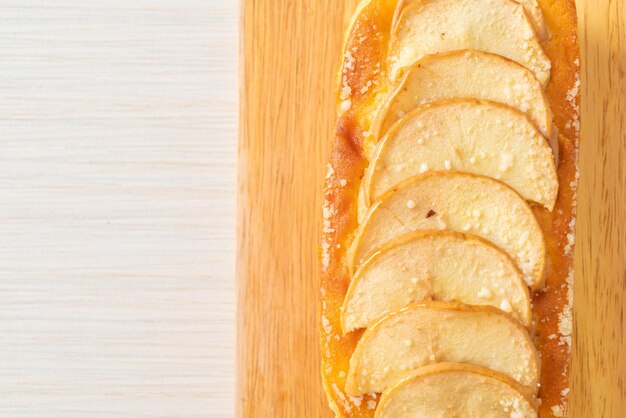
(449, 211)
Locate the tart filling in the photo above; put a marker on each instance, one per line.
(434, 332)
(466, 74)
(498, 26)
(426, 301)
(456, 201)
(531, 7)
(466, 135)
(456, 390)
(438, 265)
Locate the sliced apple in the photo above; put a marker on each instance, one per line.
(434, 332)
(497, 26)
(361, 204)
(533, 11)
(459, 202)
(531, 7)
(468, 135)
(456, 390)
(439, 265)
(469, 74)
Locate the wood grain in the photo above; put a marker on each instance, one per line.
(290, 52)
(599, 366)
(117, 201)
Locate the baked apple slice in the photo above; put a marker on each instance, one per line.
(439, 265)
(434, 332)
(531, 7)
(497, 26)
(481, 137)
(456, 390)
(462, 202)
(470, 74)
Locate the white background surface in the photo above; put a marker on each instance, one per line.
(117, 206)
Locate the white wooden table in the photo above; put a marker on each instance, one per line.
(117, 207)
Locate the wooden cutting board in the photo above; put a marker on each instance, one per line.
(290, 53)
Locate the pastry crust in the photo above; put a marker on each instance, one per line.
(363, 87)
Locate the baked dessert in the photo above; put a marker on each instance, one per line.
(426, 393)
(449, 211)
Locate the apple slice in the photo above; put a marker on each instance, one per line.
(456, 390)
(439, 265)
(433, 332)
(459, 202)
(470, 74)
(468, 135)
(531, 7)
(497, 26)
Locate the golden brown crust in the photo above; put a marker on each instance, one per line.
(366, 42)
